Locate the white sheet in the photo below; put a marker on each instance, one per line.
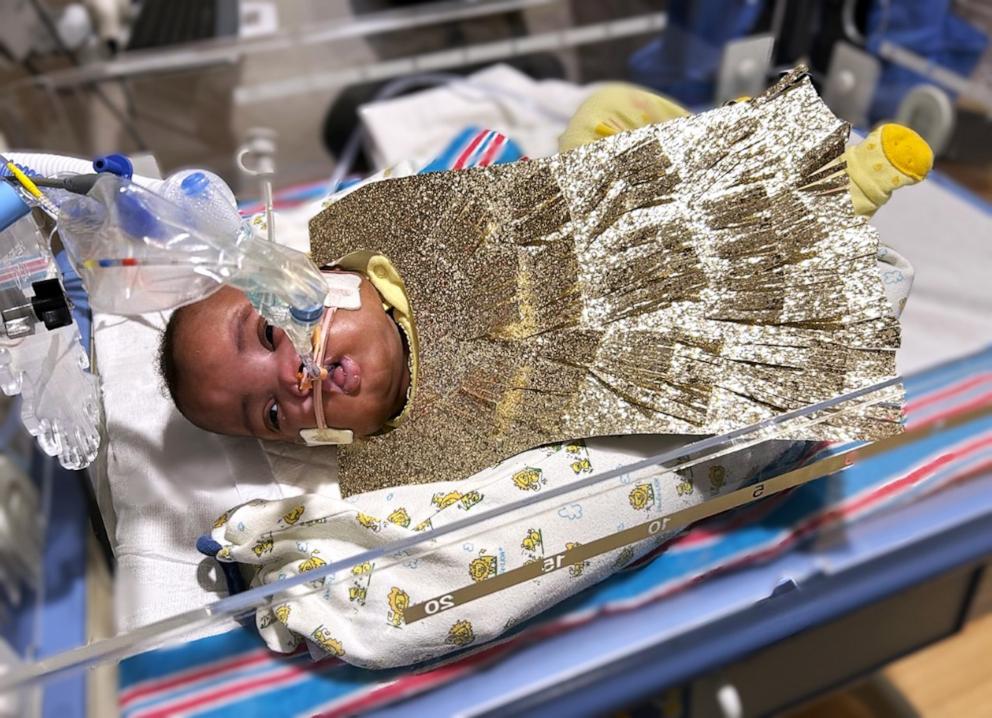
(169, 480)
(948, 240)
(533, 113)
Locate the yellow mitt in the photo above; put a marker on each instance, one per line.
(892, 156)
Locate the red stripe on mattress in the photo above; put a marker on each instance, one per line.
(467, 153)
(236, 689)
(402, 688)
(148, 688)
(493, 151)
(977, 403)
(950, 391)
(411, 685)
(892, 487)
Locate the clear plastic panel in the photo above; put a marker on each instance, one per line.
(726, 472)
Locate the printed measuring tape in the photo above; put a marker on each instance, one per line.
(679, 519)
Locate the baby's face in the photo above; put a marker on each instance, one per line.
(238, 374)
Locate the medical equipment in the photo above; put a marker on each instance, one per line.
(255, 158)
(140, 246)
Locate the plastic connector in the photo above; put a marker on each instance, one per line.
(136, 217)
(195, 184)
(114, 164)
(50, 305)
(307, 315)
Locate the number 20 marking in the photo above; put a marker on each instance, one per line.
(441, 603)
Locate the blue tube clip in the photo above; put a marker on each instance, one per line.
(114, 164)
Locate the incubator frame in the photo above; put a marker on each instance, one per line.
(786, 426)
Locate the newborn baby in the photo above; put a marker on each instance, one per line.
(231, 372)
(369, 360)
(360, 614)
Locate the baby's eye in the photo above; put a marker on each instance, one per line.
(268, 336)
(272, 417)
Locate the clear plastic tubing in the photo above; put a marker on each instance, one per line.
(193, 190)
(300, 332)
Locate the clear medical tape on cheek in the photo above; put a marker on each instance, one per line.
(343, 293)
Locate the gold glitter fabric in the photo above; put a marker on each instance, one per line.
(692, 277)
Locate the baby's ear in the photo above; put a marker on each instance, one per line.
(892, 156)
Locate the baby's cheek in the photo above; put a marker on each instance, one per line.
(302, 417)
(354, 331)
(373, 415)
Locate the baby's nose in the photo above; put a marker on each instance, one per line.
(288, 368)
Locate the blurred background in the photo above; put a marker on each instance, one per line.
(312, 94)
(191, 81)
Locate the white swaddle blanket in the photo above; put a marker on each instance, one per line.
(359, 616)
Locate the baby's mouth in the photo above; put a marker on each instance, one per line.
(343, 376)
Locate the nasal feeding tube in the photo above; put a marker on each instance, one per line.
(317, 382)
(343, 292)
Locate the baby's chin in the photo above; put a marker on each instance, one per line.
(362, 421)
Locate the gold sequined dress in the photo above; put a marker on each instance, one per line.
(692, 277)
